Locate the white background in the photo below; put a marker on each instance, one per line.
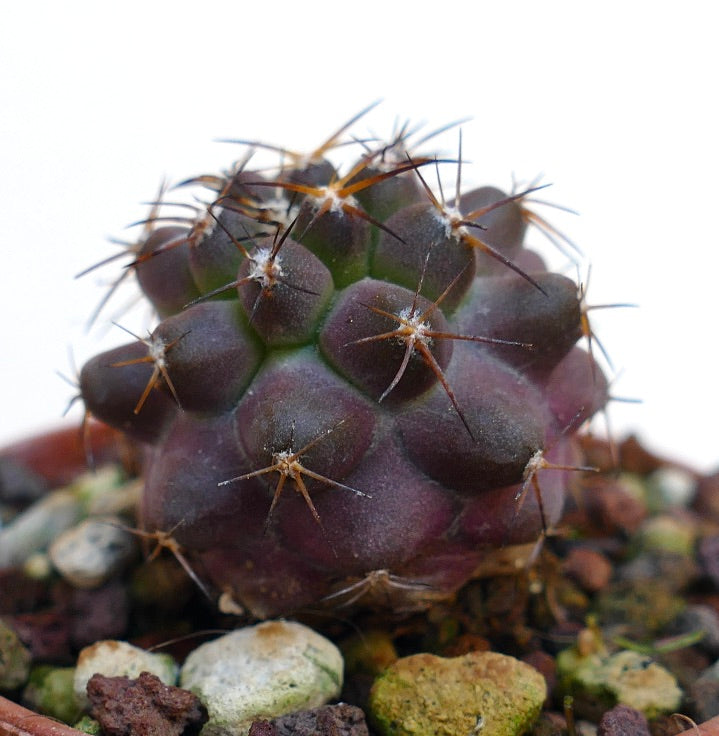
(615, 103)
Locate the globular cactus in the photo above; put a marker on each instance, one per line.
(357, 389)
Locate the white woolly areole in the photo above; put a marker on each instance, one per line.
(264, 269)
(202, 228)
(417, 329)
(156, 350)
(449, 218)
(328, 193)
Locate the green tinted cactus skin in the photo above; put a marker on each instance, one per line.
(351, 406)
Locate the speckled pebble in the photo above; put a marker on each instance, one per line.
(262, 671)
(480, 692)
(118, 658)
(667, 533)
(330, 720)
(623, 721)
(50, 691)
(89, 554)
(99, 614)
(704, 694)
(600, 681)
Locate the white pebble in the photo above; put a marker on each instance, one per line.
(92, 552)
(119, 659)
(262, 671)
(675, 486)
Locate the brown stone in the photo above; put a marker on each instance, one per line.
(143, 707)
(623, 721)
(329, 720)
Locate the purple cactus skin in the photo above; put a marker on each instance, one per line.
(354, 387)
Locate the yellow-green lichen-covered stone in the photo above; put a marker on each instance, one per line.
(15, 659)
(480, 692)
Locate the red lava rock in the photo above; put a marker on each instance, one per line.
(708, 556)
(544, 664)
(635, 458)
(466, 643)
(590, 569)
(99, 614)
(46, 634)
(623, 721)
(706, 498)
(330, 720)
(19, 593)
(550, 723)
(612, 508)
(262, 728)
(143, 707)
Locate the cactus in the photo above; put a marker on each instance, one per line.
(354, 386)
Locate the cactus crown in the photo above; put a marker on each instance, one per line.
(404, 362)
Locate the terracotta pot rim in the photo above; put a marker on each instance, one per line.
(18, 721)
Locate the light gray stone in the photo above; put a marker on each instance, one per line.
(92, 552)
(34, 529)
(262, 671)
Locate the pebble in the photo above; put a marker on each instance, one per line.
(699, 618)
(599, 681)
(590, 569)
(672, 486)
(370, 652)
(706, 500)
(46, 634)
(18, 485)
(643, 606)
(143, 707)
(330, 720)
(89, 554)
(50, 691)
(14, 659)
(708, 554)
(614, 508)
(19, 593)
(34, 529)
(101, 613)
(114, 658)
(89, 726)
(623, 721)
(480, 692)
(668, 534)
(38, 566)
(262, 671)
(704, 693)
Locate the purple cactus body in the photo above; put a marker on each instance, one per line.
(354, 408)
